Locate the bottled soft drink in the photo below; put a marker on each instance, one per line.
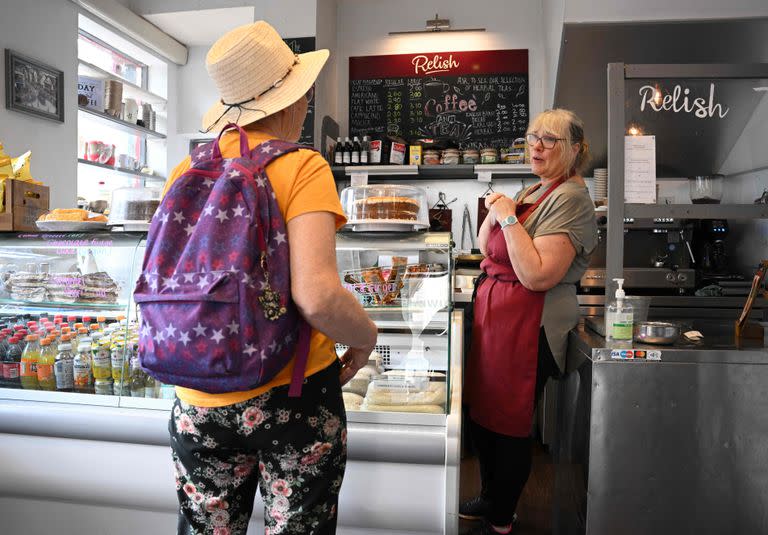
(138, 381)
(11, 364)
(63, 368)
(28, 366)
(101, 358)
(45, 377)
(83, 377)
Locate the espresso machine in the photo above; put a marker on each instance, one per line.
(658, 257)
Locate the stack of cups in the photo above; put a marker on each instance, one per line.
(113, 98)
(600, 186)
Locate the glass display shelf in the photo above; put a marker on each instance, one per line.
(403, 282)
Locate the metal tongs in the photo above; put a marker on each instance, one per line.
(466, 222)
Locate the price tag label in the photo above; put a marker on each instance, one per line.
(484, 176)
(359, 178)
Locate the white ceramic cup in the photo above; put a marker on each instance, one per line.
(130, 111)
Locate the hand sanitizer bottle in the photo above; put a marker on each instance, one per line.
(619, 321)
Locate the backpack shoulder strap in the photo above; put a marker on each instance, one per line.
(202, 153)
(264, 153)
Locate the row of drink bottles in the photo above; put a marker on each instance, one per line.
(67, 355)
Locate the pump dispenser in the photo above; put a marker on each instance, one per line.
(619, 320)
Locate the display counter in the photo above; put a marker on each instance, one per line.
(674, 445)
(91, 463)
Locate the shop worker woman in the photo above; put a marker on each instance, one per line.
(537, 247)
(293, 449)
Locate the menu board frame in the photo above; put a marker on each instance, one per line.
(471, 98)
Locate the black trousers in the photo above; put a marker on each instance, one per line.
(505, 462)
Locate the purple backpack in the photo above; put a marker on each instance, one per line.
(214, 291)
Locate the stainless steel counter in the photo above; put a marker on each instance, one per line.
(673, 446)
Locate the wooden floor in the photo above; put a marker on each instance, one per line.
(534, 512)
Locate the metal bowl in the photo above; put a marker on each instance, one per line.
(656, 332)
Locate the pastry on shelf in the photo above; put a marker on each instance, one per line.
(385, 207)
(402, 208)
(27, 286)
(99, 287)
(64, 287)
(72, 214)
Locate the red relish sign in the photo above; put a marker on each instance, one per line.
(476, 98)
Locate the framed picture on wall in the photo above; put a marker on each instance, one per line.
(33, 87)
(196, 142)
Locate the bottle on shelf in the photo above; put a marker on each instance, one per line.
(28, 364)
(63, 369)
(355, 157)
(138, 382)
(46, 379)
(338, 152)
(83, 376)
(365, 146)
(347, 154)
(101, 359)
(12, 363)
(151, 387)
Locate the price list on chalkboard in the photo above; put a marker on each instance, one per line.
(475, 99)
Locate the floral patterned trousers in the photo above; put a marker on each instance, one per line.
(294, 450)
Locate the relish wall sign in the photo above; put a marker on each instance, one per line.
(682, 100)
(473, 98)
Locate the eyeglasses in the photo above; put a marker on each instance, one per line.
(309, 95)
(547, 141)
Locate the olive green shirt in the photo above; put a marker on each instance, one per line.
(568, 210)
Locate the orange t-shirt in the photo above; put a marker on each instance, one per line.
(303, 183)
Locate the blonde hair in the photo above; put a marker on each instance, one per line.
(567, 125)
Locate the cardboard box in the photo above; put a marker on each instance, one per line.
(415, 155)
(24, 204)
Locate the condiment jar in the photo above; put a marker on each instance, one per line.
(489, 155)
(450, 157)
(470, 156)
(431, 157)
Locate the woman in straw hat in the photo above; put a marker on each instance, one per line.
(292, 449)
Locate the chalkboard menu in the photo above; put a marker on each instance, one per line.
(299, 45)
(475, 99)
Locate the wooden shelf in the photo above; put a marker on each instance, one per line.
(119, 170)
(123, 125)
(130, 90)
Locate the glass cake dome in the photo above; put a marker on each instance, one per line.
(385, 208)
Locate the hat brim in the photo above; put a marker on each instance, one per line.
(294, 86)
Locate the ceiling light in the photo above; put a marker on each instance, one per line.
(438, 25)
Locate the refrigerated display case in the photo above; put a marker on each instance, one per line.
(111, 451)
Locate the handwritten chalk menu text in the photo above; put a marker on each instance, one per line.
(475, 99)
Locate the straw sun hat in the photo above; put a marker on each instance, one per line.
(257, 74)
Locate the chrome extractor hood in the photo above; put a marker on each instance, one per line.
(686, 145)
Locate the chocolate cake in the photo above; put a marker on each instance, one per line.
(402, 208)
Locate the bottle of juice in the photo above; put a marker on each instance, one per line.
(102, 321)
(120, 372)
(138, 379)
(29, 358)
(63, 368)
(102, 367)
(45, 378)
(83, 377)
(11, 364)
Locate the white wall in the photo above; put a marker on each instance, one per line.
(363, 28)
(194, 91)
(647, 10)
(553, 15)
(327, 86)
(45, 30)
(363, 31)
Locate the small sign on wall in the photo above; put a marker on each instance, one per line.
(90, 92)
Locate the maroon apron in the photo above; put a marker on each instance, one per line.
(501, 370)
